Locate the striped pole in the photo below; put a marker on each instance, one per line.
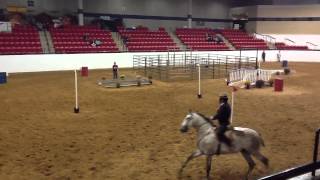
(76, 108)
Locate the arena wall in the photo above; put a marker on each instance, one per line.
(217, 9)
(51, 6)
(296, 2)
(179, 8)
(59, 62)
(287, 25)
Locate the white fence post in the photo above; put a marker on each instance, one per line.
(76, 108)
(199, 92)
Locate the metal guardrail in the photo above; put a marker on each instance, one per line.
(314, 46)
(297, 171)
(291, 41)
(311, 43)
(266, 38)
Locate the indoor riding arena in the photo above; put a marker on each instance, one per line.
(61, 120)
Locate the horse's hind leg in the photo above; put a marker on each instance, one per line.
(209, 159)
(251, 163)
(262, 158)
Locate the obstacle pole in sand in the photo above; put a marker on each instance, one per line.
(234, 89)
(199, 92)
(76, 108)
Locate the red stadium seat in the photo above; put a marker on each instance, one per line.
(141, 39)
(283, 46)
(196, 39)
(22, 40)
(70, 40)
(241, 40)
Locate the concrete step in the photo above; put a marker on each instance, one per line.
(177, 41)
(43, 41)
(226, 42)
(119, 41)
(49, 42)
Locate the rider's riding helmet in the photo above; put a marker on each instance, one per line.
(223, 97)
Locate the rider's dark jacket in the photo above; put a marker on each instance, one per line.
(223, 114)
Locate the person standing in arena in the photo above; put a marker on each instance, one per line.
(279, 56)
(263, 56)
(115, 70)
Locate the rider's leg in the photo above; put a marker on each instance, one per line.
(221, 135)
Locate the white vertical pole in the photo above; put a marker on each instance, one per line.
(199, 93)
(76, 109)
(258, 71)
(232, 101)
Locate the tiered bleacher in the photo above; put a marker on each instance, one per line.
(23, 39)
(241, 40)
(197, 39)
(283, 46)
(80, 39)
(142, 39)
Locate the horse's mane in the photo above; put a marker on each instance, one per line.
(205, 118)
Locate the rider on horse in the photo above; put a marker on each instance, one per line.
(223, 116)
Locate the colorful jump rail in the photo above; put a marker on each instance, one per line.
(250, 75)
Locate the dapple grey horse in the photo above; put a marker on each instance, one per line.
(244, 140)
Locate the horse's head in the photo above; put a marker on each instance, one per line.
(195, 120)
(187, 122)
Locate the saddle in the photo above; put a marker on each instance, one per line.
(231, 131)
(230, 134)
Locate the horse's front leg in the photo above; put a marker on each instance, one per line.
(195, 154)
(209, 160)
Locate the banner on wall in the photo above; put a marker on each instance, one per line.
(5, 26)
(16, 9)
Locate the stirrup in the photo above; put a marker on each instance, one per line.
(218, 149)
